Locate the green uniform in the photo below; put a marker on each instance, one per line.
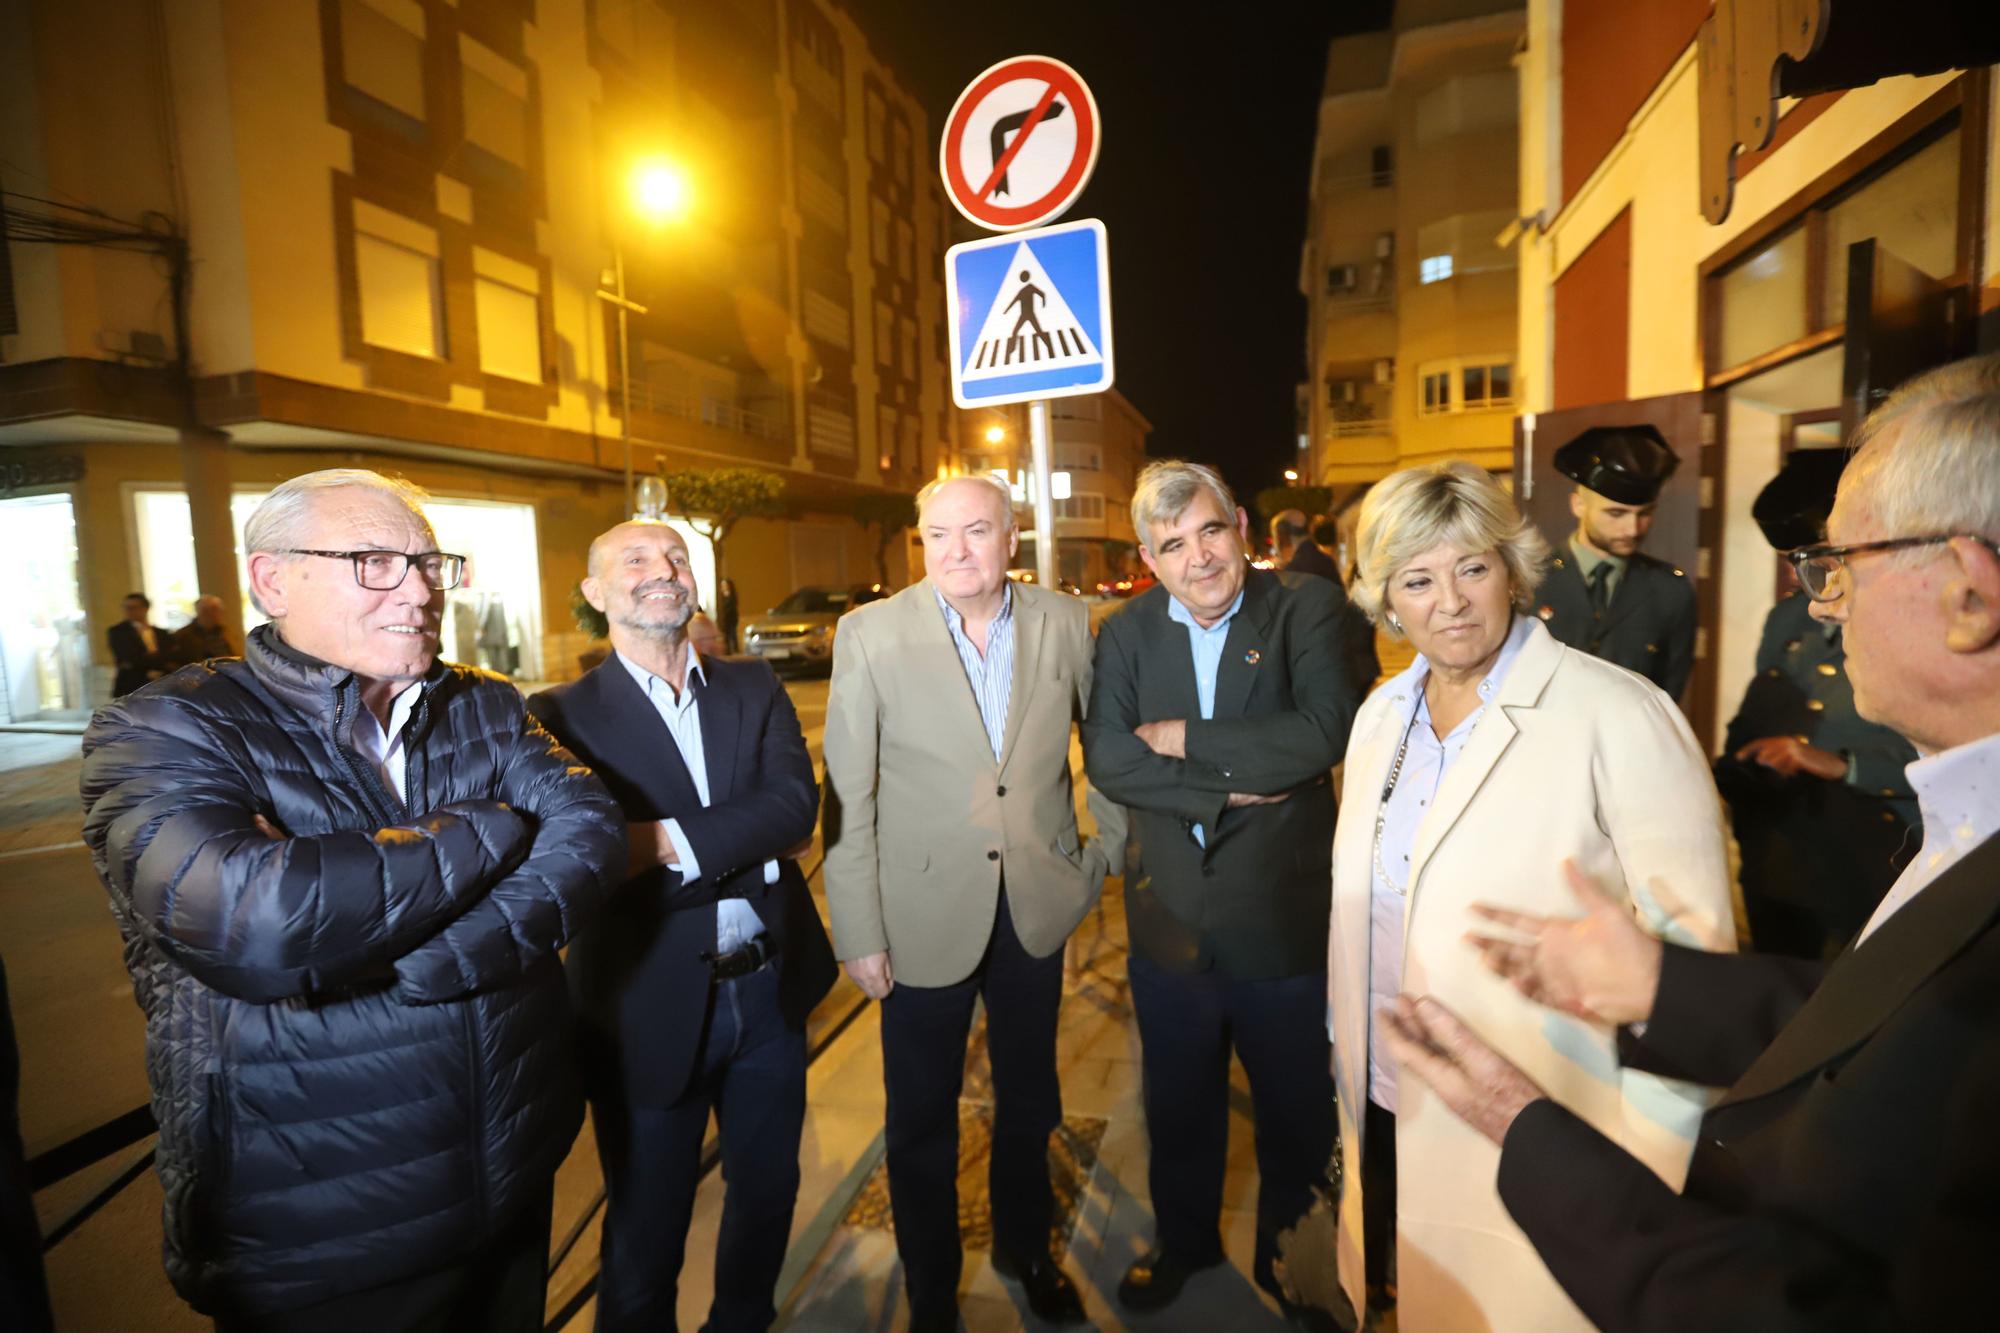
(1817, 855)
(1648, 626)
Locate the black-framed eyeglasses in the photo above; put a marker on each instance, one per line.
(380, 571)
(1816, 564)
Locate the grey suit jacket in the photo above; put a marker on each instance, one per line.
(921, 821)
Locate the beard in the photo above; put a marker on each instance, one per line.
(667, 617)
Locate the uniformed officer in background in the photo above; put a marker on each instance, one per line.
(1602, 593)
(1821, 808)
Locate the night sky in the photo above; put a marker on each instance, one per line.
(1201, 184)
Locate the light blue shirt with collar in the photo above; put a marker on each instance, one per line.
(736, 921)
(1207, 647)
(991, 674)
(1425, 762)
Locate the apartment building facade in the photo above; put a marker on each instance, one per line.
(399, 221)
(1410, 330)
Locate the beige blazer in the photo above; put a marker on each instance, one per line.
(921, 821)
(1574, 758)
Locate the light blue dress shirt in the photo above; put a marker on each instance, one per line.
(990, 674)
(736, 921)
(1958, 791)
(1424, 767)
(1207, 645)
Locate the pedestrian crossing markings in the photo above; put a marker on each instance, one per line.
(1029, 327)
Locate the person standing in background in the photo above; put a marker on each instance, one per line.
(204, 636)
(137, 646)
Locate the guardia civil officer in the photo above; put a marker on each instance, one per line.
(1816, 793)
(1603, 594)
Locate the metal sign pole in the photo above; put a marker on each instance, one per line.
(1045, 501)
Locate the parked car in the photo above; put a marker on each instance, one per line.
(798, 632)
(1028, 576)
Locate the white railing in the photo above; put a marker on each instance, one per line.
(709, 412)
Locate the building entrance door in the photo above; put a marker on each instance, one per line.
(44, 648)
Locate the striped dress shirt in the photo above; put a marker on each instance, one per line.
(991, 675)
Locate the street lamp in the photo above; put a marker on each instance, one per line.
(1291, 474)
(658, 193)
(995, 434)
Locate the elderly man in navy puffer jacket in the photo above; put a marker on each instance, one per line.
(343, 870)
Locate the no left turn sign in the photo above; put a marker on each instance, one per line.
(1020, 143)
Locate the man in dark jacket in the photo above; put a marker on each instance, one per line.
(205, 636)
(1298, 551)
(694, 985)
(138, 646)
(1219, 705)
(343, 870)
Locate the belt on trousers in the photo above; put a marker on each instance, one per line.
(740, 962)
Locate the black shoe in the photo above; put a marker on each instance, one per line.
(1051, 1295)
(1155, 1279)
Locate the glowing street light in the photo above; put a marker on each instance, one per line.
(1291, 474)
(660, 191)
(995, 434)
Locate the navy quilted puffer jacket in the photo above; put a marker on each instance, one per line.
(358, 1037)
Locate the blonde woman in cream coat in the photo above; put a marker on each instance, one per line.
(1471, 777)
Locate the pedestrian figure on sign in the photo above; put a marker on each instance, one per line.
(1026, 298)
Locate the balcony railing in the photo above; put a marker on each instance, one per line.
(1347, 430)
(710, 412)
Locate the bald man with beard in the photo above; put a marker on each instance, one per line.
(693, 986)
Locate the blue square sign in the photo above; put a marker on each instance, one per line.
(1030, 315)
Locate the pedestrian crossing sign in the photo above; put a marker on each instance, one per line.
(1030, 315)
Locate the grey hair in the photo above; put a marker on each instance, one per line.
(1929, 456)
(281, 522)
(1000, 488)
(1420, 508)
(1165, 489)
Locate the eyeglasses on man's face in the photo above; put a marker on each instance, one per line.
(1816, 565)
(381, 571)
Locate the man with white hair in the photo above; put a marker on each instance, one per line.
(343, 870)
(1850, 1175)
(1221, 704)
(954, 873)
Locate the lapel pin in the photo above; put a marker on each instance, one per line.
(1546, 613)
(1251, 656)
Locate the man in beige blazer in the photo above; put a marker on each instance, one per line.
(954, 871)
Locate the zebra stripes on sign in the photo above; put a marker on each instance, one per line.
(1031, 315)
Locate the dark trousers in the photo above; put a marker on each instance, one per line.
(1378, 1195)
(501, 1288)
(924, 1030)
(1188, 1022)
(24, 1295)
(753, 1075)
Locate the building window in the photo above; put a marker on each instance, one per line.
(906, 329)
(1433, 268)
(1079, 458)
(885, 436)
(826, 319)
(877, 123)
(1081, 506)
(879, 230)
(885, 335)
(1465, 384)
(1463, 243)
(900, 149)
(906, 250)
(496, 102)
(382, 52)
(508, 308)
(396, 262)
(1381, 165)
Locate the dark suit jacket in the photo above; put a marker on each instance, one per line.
(1255, 902)
(136, 666)
(636, 973)
(1849, 1179)
(1648, 628)
(1357, 634)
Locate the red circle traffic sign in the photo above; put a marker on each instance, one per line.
(1026, 131)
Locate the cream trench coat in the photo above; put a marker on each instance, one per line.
(1573, 758)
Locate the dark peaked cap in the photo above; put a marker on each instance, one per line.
(1792, 507)
(1625, 464)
